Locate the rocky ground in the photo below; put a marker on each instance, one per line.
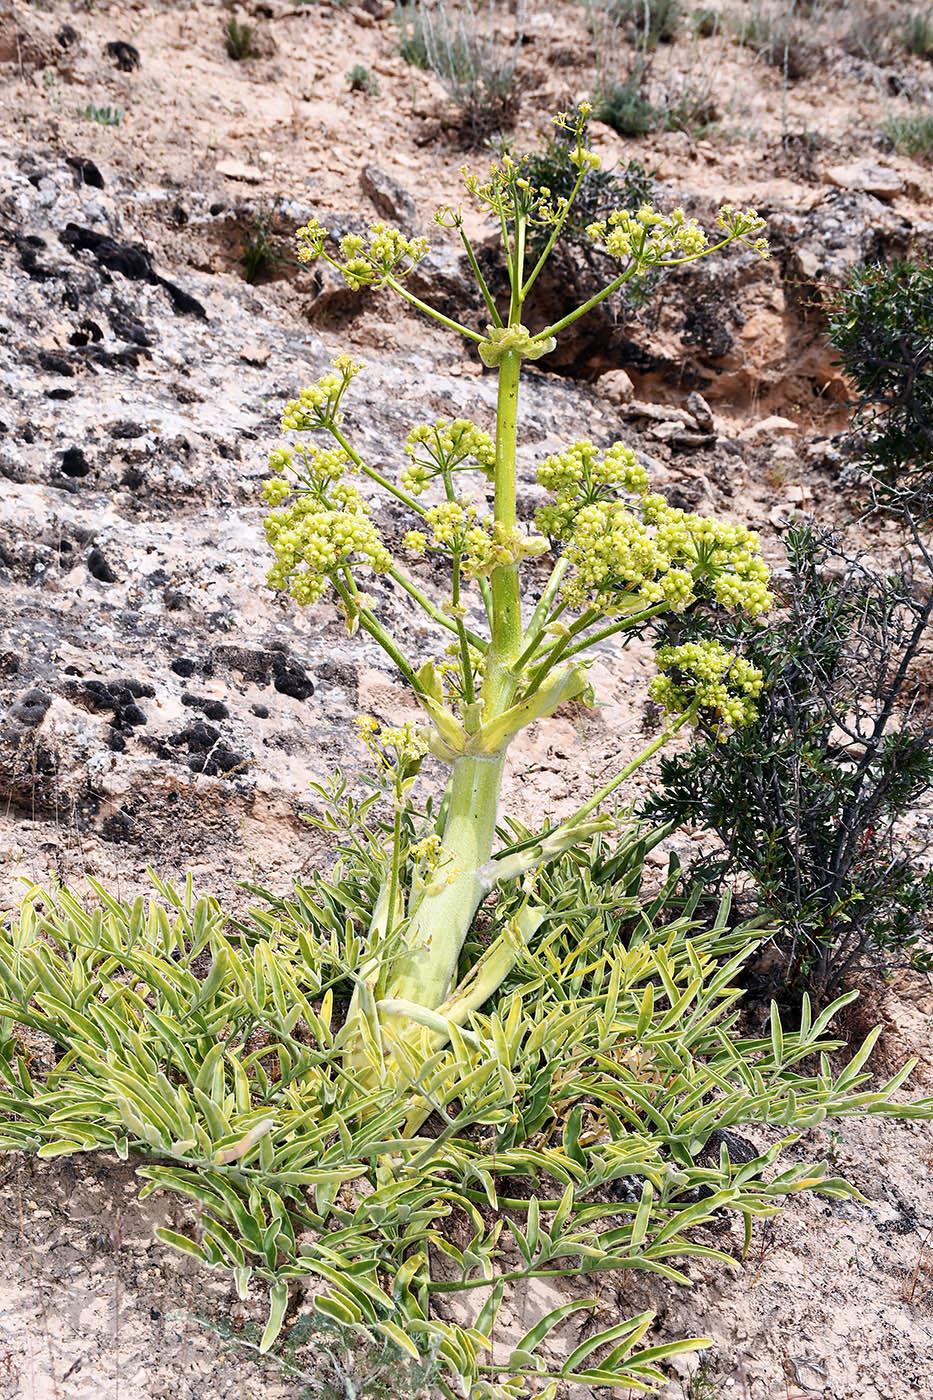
(159, 706)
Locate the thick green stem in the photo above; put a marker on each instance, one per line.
(506, 643)
(425, 972)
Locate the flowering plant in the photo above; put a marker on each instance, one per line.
(363, 1086)
(622, 557)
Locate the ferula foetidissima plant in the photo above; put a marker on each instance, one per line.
(471, 1055)
(622, 558)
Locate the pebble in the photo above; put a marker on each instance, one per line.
(768, 427)
(866, 178)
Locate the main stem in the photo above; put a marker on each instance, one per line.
(426, 970)
(506, 642)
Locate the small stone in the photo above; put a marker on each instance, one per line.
(616, 386)
(362, 18)
(767, 427)
(866, 178)
(256, 354)
(388, 197)
(686, 438)
(697, 405)
(658, 413)
(239, 170)
(661, 432)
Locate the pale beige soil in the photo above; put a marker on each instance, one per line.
(836, 1300)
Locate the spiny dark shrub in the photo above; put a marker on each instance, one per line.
(601, 191)
(881, 323)
(810, 803)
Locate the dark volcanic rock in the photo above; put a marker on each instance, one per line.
(211, 709)
(74, 462)
(124, 55)
(265, 667)
(133, 260)
(87, 171)
(99, 568)
(30, 708)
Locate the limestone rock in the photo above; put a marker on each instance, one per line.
(697, 405)
(773, 426)
(616, 386)
(389, 198)
(865, 177)
(239, 170)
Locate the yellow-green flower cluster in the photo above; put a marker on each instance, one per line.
(319, 534)
(415, 541)
(364, 262)
(392, 746)
(311, 238)
(318, 404)
(305, 467)
(386, 253)
(428, 849)
(581, 476)
(442, 447)
(744, 225)
(482, 545)
(618, 564)
(724, 686)
(449, 522)
(647, 237)
(496, 546)
(631, 555)
(724, 558)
